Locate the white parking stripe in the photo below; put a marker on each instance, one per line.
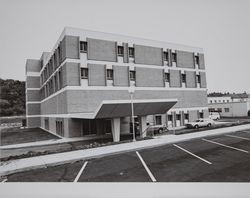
(80, 172)
(225, 145)
(146, 167)
(4, 180)
(239, 137)
(192, 154)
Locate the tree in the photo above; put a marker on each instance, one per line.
(12, 97)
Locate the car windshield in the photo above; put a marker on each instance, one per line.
(197, 120)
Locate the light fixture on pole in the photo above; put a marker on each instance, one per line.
(131, 91)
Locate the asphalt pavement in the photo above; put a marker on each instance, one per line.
(222, 158)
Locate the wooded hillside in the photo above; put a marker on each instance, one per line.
(12, 97)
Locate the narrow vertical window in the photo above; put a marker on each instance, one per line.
(183, 78)
(165, 56)
(197, 61)
(131, 52)
(83, 46)
(84, 73)
(198, 78)
(174, 57)
(120, 50)
(167, 77)
(132, 75)
(109, 74)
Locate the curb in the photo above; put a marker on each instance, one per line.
(40, 162)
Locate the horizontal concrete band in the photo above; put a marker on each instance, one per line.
(69, 115)
(79, 101)
(72, 156)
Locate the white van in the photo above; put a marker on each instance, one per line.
(214, 115)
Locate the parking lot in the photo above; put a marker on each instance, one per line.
(223, 158)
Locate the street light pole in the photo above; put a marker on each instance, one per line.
(131, 91)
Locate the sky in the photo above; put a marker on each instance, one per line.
(220, 27)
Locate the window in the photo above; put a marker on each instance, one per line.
(201, 115)
(226, 110)
(60, 79)
(59, 128)
(109, 74)
(219, 110)
(183, 78)
(56, 83)
(59, 53)
(46, 123)
(83, 46)
(198, 78)
(211, 101)
(84, 73)
(167, 77)
(186, 117)
(215, 101)
(227, 100)
(120, 50)
(165, 55)
(178, 117)
(132, 75)
(55, 61)
(197, 61)
(158, 120)
(174, 57)
(131, 52)
(170, 118)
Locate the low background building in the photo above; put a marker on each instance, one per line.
(230, 105)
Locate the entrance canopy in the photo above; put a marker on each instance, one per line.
(122, 108)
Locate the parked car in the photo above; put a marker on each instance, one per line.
(214, 115)
(207, 122)
(157, 128)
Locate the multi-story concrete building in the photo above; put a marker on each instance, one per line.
(82, 86)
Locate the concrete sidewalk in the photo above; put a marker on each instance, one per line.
(66, 157)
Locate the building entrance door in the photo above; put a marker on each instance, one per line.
(89, 127)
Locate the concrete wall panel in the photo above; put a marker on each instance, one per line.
(97, 75)
(148, 55)
(149, 77)
(190, 79)
(33, 95)
(102, 50)
(33, 122)
(203, 80)
(55, 105)
(202, 61)
(175, 78)
(121, 75)
(33, 65)
(185, 59)
(33, 109)
(125, 53)
(71, 74)
(32, 82)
